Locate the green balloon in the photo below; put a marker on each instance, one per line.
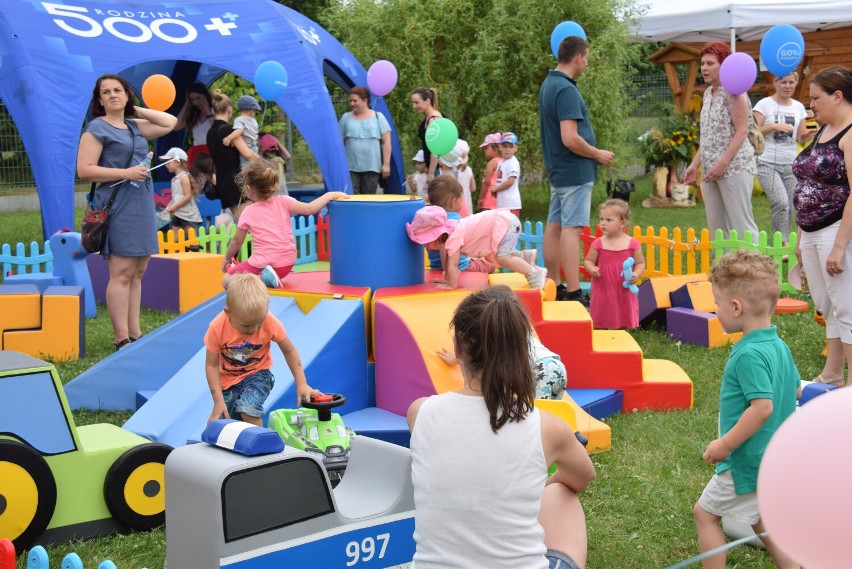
(441, 136)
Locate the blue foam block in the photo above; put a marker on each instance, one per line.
(379, 424)
(813, 390)
(144, 365)
(599, 403)
(242, 438)
(18, 288)
(40, 280)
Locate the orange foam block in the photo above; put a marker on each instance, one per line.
(181, 281)
(655, 295)
(787, 305)
(20, 308)
(61, 332)
(696, 295)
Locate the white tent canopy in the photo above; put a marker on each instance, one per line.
(713, 20)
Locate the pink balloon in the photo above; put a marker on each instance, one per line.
(381, 77)
(738, 73)
(802, 484)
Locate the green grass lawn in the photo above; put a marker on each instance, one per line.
(639, 509)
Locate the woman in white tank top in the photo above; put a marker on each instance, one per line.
(480, 455)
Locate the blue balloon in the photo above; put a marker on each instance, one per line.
(781, 49)
(562, 31)
(270, 80)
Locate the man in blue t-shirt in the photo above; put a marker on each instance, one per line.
(571, 159)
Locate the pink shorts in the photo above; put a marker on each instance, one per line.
(245, 267)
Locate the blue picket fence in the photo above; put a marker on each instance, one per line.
(37, 261)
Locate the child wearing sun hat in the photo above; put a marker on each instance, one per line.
(491, 147)
(492, 234)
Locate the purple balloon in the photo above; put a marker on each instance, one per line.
(738, 73)
(381, 77)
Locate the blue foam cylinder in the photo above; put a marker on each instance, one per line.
(368, 245)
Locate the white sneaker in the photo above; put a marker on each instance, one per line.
(537, 278)
(529, 255)
(269, 277)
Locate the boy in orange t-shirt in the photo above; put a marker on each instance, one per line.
(238, 361)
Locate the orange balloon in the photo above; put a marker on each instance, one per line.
(158, 92)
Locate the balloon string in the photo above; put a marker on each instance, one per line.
(263, 115)
(714, 551)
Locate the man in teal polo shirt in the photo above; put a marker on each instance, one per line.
(571, 159)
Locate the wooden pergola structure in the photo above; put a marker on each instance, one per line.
(823, 49)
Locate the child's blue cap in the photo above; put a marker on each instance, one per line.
(509, 137)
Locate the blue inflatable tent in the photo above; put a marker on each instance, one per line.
(51, 53)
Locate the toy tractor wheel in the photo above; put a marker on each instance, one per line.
(27, 494)
(135, 487)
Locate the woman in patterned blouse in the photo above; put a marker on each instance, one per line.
(727, 160)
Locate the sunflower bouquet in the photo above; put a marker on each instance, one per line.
(673, 142)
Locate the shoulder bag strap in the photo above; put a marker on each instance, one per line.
(111, 199)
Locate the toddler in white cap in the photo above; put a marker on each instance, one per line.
(416, 182)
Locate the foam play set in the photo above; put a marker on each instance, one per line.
(60, 482)
(375, 339)
(66, 266)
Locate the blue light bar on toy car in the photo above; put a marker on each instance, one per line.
(241, 437)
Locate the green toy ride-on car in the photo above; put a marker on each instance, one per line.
(314, 428)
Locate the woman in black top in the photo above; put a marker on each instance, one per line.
(425, 101)
(226, 159)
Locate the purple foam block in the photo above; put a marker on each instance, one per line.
(689, 326)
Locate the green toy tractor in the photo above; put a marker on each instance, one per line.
(314, 428)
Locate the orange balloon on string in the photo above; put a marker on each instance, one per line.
(158, 92)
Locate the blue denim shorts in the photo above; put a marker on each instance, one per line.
(249, 394)
(559, 560)
(570, 205)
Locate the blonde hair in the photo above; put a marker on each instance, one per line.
(262, 175)
(621, 206)
(795, 75)
(247, 295)
(221, 102)
(443, 190)
(750, 276)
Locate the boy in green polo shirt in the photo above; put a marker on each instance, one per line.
(760, 385)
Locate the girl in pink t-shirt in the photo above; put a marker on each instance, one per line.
(493, 234)
(613, 305)
(267, 218)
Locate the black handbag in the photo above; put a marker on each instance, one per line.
(209, 190)
(96, 223)
(620, 189)
(93, 231)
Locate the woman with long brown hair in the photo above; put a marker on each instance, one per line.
(482, 496)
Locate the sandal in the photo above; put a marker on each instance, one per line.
(836, 381)
(121, 344)
(132, 339)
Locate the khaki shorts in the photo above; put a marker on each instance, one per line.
(720, 499)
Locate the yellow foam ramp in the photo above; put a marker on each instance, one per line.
(598, 433)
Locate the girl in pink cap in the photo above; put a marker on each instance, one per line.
(493, 234)
(491, 146)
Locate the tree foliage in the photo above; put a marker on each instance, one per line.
(487, 59)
